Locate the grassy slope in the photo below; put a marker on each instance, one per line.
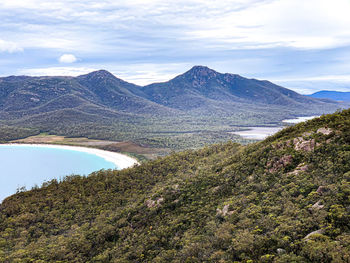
(223, 203)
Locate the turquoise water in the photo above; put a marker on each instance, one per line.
(29, 166)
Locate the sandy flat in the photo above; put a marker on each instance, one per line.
(120, 160)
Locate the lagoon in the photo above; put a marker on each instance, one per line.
(30, 165)
(260, 133)
(299, 119)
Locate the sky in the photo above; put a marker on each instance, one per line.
(303, 45)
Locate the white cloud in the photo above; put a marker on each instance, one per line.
(144, 74)
(140, 74)
(243, 24)
(289, 23)
(308, 85)
(67, 58)
(254, 38)
(8, 46)
(335, 78)
(56, 71)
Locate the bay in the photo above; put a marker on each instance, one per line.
(27, 166)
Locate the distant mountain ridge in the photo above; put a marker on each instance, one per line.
(202, 87)
(333, 95)
(101, 98)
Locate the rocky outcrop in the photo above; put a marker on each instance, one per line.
(325, 131)
(301, 144)
(317, 206)
(280, 251)
(277, 164)
(154, 203)
(304, 142)
(215, 189)
(306, 134)
(322, 189)
(224, 211)
(300, 168)
(317, 232)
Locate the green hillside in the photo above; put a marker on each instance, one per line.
(285, 199)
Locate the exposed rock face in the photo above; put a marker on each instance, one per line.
(224, 211)
(154, 203)
(303, 167)
(150, 203)
(305, 134)
(317, 205)
(275, 165)
(325, 131)
(300, 144)
(322, 189)
(215, 189)
(300, 168)
(280, 251)
(305, 143)
(317, 232)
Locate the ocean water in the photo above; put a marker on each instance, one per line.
(29, 166)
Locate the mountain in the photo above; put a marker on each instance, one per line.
(285, 199)
(199, 89)
(201, 103)
(118, 94)
(205, 89)
(25, 96)
(332, 95)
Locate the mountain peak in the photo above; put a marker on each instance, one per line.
(101, 74)
(202, 70)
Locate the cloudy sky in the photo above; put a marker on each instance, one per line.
(303, 45)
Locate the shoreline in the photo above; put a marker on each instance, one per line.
(121, 161)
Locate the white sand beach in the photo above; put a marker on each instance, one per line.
(120, 160)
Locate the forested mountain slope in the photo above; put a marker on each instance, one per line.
(285, 199)
(99, 90)
(199, 90)
(203, 89)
